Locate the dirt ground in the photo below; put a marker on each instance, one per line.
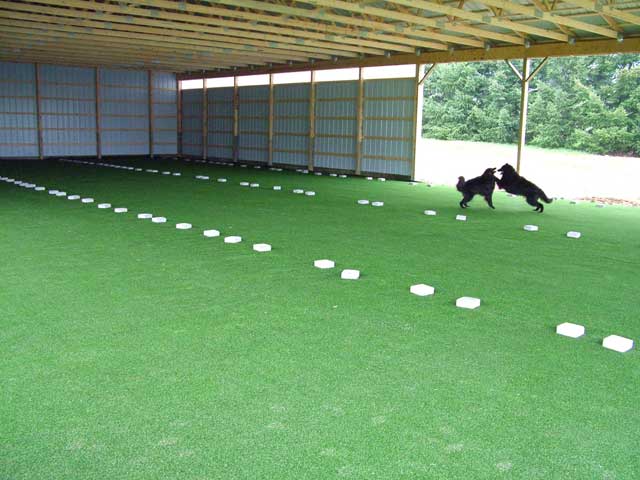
(582, 176)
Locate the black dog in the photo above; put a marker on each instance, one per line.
(482, 185)
(514, 183)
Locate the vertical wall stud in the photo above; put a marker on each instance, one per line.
(39, 112)
(270, 160)
(359, 121)
(98, 132)
(312, 120)
(236, 132)
(418, 98)
(151, 123)
(179, 126)
(205, 118)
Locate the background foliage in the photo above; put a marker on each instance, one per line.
(583, 103)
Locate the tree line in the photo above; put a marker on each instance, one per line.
(591, 104)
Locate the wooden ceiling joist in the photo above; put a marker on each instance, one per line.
(216, 37)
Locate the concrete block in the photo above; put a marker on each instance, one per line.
(574, 234)
(183, 226)
(73, 197)
(382, 179)
(468, 302)
(310, 194)
(176, 174)
(145, 216)
(342, 176)
(299, 191)
(120, 210)
(222, 180)
(39, 189)
(244, 184)
(430, 212)
(462, 218)
(422, 290)
(262, 247)
(323, 264)
(570, 330)
(211, 233)
(104, 205)
(254, 185)
(159, 219)
(617, 343)
(232, 239)
(531, 228)
(277, 187)
(166, 173)
(350, 274)
(369, 178)
(87, 200)
(333, 174)
(61, 194)
(363, 202)
(377, 204)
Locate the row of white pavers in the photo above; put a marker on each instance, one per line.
(308, 193)
(258, 247)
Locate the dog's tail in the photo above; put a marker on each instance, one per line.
(460, 184)
(544, 198)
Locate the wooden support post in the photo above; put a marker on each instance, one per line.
(179, 126)
(98, 131)
(524, 103)
(418, 98)
(270, 159)
(312, 120)
(359, 122)
(39, 112)
(205, 119)
(236, 122)
(150, 84)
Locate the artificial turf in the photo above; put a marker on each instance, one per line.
(133, 350)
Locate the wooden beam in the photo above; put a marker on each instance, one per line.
(271, 111)
(236, 121)
(610, 10)
(552, 17)
(150, 98)
(179, 126)
(312, 123)
(160, 37)
(359, 122)
(524, 106)
(231, 36)
(205, 120)
(307, 27)
(39, 112)
(98, 126)
(418, 95)
(537, 69)
(323, 16)
(428, 73)
(482, 18)
(581, 47)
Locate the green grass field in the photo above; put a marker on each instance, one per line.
(133, 350)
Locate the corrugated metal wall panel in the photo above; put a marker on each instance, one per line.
(253, 123)
(165, 113)
(68, 111)
(388, 128)
(291, 124)
(192, 122)
(220, 123)
(18, 118)
(124, 94)
(336, 125)
(68, 107)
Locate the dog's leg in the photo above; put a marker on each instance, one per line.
(489, 200)
(466, 198)
(533, 201)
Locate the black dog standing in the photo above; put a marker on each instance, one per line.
(483, 185)
(514, 183)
